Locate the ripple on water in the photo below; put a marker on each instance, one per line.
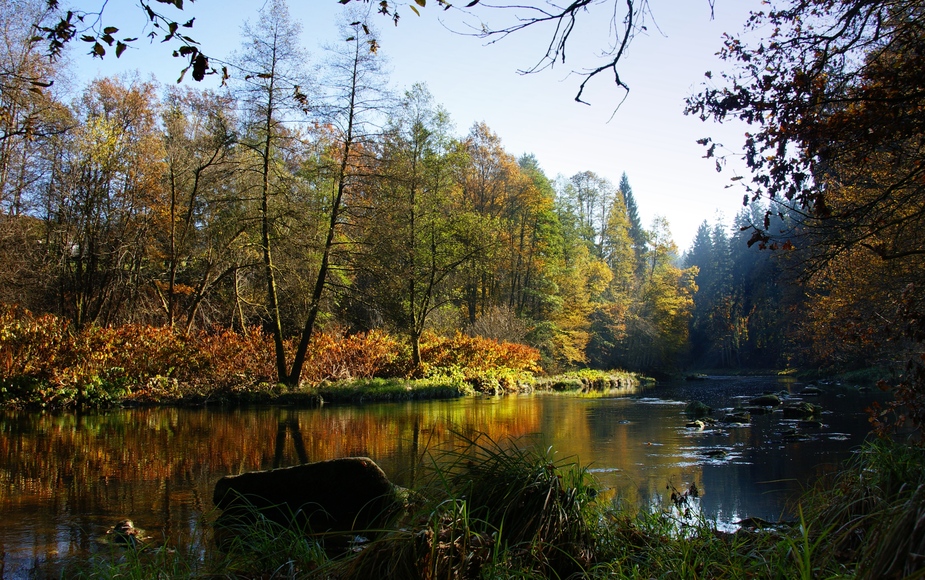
(656, 401)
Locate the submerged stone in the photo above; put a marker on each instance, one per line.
(765, 401)
(697, 409)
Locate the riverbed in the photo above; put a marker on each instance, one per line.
(65, 479)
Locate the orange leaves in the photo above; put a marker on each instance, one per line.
(43, 362)
(478, 354)
(335, 356)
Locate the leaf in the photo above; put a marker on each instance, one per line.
(120, 48)
(110, 30)
(471, 4)
(200, 64)
(189, 23)
(421, 3)
(415, 10)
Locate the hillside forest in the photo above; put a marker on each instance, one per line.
(297, 199)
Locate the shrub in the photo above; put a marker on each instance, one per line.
(477, 354)
(333, 355)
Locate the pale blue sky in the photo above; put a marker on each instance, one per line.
(649, 138)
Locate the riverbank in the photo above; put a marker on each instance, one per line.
(858, 523)
(47, 365)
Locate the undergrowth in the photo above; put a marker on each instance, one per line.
(45, 363)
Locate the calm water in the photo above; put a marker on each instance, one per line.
(66, 479)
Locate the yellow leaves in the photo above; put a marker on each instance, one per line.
(99, 140)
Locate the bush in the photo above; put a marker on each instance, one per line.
(46, 363)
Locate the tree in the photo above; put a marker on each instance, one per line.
(198, 244)
(355, 83)
(834, 95)
(609, 319)
(492, 184)
(31, 117)
(420, 233)
(636, 231)
(658, 325)
(590, 198)
(104, 202)
(269, 92)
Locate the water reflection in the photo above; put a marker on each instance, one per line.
(65, 479)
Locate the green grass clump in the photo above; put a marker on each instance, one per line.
(380, 390)
(590, 382)
(488, 510)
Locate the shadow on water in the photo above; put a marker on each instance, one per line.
(66, 479)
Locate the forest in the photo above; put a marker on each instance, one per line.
(292, 202)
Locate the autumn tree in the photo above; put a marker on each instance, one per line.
(200, 243)
(104, 202)
(355, 99)
(657, 325)
(420, 232)
(270, 92)
(31, 115)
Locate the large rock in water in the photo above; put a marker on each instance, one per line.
(339, 495)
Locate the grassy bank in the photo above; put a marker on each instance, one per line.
(498, 511)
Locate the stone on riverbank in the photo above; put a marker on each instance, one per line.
(339, 495)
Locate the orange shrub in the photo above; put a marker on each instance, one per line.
(478, 354)
(228, 359)
(29, 345)
(332, 355)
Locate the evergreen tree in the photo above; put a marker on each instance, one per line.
(637, 232)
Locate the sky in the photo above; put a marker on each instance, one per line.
(644, 133)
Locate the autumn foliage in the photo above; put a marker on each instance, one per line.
(45, 362)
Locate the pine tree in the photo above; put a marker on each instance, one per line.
(637, 232)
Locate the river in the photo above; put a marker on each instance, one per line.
(66, 478)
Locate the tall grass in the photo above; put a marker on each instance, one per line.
(488, 509)
(875, 509)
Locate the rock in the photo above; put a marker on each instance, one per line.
(696, 377)
(811, 390)
(699, 425)
(801, 410)
(738, 417)
(755, 410)
(339, 495)
(696, 409)
(765, 401)
(125, 533)
(714, 453)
